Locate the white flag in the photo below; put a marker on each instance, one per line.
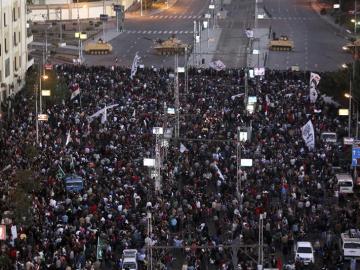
(101, 112)
(219, 172)
(104, 116)
(235, 96)
(183, 148)
(314, 81)
(68, 138)
(217, 65)
(308, 134)
(135, 65)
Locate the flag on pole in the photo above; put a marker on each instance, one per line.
(308, 134)
(217, 65)
(314, 81)
(219, 172)
(75, 90)
(104, 116)
(68, 138)
(183, 148)
(135, 65)
(101, 112)
(60, 174)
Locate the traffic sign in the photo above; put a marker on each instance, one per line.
(356, 152)
(103, 17)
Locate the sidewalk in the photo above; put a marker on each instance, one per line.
(203, 53)
(259, 42)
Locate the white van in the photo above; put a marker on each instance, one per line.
(329, 137)
(345, 183)
(350, 244)
(129, 261)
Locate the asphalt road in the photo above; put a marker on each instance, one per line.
(317, 43)
(140, 33)
(233, 41)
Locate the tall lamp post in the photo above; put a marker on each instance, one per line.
(353, 99)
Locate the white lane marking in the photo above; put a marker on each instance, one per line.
(165, 32)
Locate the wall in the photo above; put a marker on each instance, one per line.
(69, 11)
(14, 53)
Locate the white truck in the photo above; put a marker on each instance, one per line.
(350, 244)
(129, 260)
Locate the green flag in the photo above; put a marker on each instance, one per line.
(60, 173)
(101, 244)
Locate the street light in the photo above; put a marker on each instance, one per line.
(353, 99)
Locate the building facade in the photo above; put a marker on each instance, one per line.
(14, 39)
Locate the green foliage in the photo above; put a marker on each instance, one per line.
(337, 83)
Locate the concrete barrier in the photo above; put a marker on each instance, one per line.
(70, 11)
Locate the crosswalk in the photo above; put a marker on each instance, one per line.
(293, 18)
(170, 17)
(158, 32)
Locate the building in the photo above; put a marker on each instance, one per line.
(15, 36)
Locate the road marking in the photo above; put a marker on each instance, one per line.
(175, 32)
(166, 17)
(170, 32)
(165, 32)
(175, 17)
(139, 32)
(180, 32)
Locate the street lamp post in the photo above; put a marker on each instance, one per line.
(353, 99)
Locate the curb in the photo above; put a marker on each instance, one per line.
(154, 11)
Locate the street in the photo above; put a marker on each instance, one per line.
(141, 32)
(317, 44)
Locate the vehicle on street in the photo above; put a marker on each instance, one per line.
(171, 46)
(99, 47)
(350, 244)
(74, 183)
(281, 44)
(345, 183)
(129, 260)
(329, 137)
(304, 252)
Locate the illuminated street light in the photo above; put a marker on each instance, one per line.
(344, 66)
(347, 95)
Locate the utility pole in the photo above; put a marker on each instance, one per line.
(36, 113)
(149, 233)
(177, 101)
(158, 162)
(200, 60)
(261, 242)
(186, 71)
(194, 54)
(238, 166)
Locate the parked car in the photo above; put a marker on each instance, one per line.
(304, 252)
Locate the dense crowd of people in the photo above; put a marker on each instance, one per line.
(197, 218)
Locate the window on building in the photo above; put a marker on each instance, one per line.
(6, 45)
(18, 15)
(15, 64)
(7, 67)
(19, 61)
(15, 43)
(0, 49)
(14, 14)
(5, 24)
(19, 36)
